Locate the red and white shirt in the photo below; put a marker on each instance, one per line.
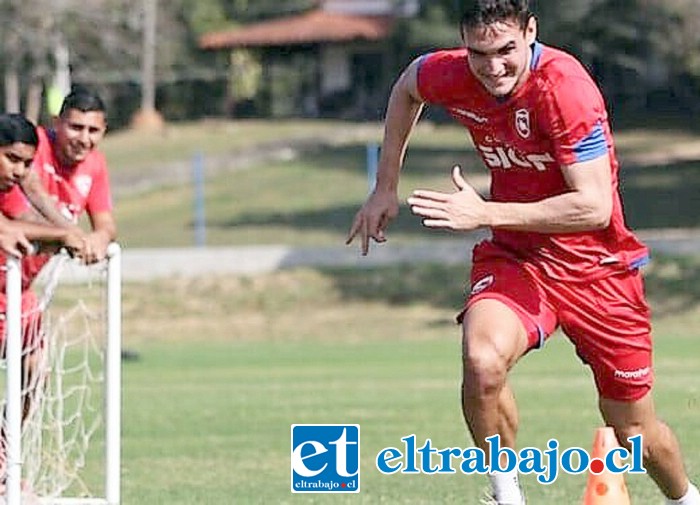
(556, 118)
(13, 203)
(82, 187)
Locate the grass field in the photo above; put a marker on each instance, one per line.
(228, 364)
(225, 365)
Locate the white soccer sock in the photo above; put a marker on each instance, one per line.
(692, 497)
(506, 488)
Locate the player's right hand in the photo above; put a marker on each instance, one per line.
(373, 218)
(13, 241)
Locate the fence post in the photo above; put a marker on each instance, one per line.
(200, 220)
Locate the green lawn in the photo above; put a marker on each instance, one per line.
(210, 424)
(227, 364)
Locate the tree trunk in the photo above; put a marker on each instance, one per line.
(12, 101)
(33, 104)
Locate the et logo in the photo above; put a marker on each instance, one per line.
(325, 458)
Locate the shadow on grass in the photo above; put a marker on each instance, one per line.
(336, 219)
(666, 196)
(660, 196)
(420, 160)
(436, 285)
(672, 285)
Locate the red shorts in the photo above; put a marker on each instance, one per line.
(31, 321)
(607, 320)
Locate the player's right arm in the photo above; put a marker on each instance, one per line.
(70, 237)
(382, 205)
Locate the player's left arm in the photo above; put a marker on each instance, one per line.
(99, 209)
(104, 231)
(586, 206)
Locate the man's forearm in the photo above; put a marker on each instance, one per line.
(569, 212)
(402, 113)
(42, 201)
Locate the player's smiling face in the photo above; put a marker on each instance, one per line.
(77, 134)
(499, 54)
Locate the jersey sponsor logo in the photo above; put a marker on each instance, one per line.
(522, 123)
(482, 284)
(632, 374)
(507, 157)
(83, 183)
(469, 114)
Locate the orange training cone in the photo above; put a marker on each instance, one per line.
(604, 488)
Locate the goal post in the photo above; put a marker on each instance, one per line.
(76, 389)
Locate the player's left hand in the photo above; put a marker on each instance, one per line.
(95, 248)
(462, 210)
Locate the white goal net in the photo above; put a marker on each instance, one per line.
(70, 385)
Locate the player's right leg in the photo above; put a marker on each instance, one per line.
(505, 316)
(493, 340)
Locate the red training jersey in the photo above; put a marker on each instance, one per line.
(13, 203)
(557, 117)
(82, 187)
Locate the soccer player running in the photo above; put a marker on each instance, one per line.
(560, 254)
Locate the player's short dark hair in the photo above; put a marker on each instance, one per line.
(82, 99)
(17, 128)
(486, 12)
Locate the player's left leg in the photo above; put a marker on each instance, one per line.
(661, 451)
(608, 320)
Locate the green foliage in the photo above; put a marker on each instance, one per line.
(653, 42)
(203, 16)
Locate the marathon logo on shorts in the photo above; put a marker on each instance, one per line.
(632, 374)
(482, 284)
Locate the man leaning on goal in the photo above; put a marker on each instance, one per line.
(69, 177)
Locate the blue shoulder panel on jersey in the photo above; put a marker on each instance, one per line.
(593, 146)
(536, 53)
(640, 262)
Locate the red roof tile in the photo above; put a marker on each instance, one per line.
(314, 26)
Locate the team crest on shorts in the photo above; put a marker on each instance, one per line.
(482, 284)
(522, 122)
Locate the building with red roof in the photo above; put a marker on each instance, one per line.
(333, 60)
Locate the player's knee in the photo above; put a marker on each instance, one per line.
(485, 370)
